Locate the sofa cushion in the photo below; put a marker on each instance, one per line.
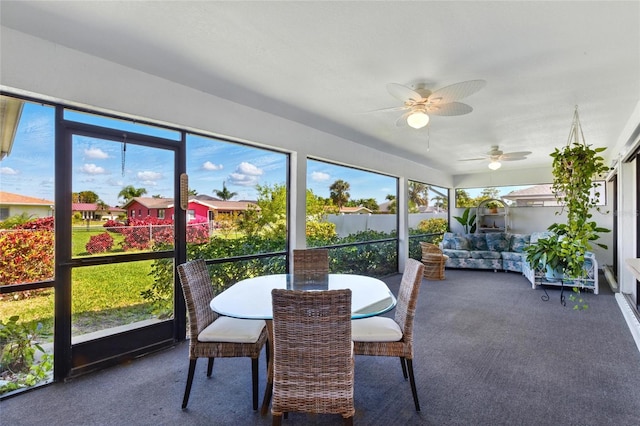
(460, 242)
(513, 256)
(485, 254)
(519, 242)
(477, 241)
(497, 242)
(457, 254)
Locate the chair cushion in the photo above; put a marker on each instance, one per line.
(232, 330)
(375, 329)
(519, 242)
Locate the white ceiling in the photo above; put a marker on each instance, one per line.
(326, 63)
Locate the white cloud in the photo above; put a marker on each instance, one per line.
(208, 165)
(96, 153)
(148, 177)
(320, 177)
(246, 174)
(8, 171)
(92, 169)
(249, 169)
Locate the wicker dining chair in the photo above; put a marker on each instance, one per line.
(212, 335)
(313, 358)
(311, 260)
(382, 336)
(434, 261)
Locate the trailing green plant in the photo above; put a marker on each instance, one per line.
(575, 168)
(467, 220)
(18, 365)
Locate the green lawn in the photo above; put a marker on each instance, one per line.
(103, 296)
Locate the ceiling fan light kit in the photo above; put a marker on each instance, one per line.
(495, 165)
(418, 119)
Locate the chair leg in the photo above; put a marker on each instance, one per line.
(254, 374)
(276, 419)
(404, 367)
(412, 381)
(187, 390)
(210, 367)
(348, 421)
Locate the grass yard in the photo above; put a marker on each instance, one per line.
(103, 296)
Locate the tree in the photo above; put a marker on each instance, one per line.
(418, 194)
(463, 199)
(392, 205)
(224, 194)
(129, 193)
(339, 193)
(85, 197)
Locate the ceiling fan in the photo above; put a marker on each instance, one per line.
(495, 156)
(421, 102)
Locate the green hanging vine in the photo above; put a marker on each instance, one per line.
(575, 169)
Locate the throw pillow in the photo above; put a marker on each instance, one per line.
(447, 241)
(497, 242)
(477, 241)
(461, 243)
(519, 242)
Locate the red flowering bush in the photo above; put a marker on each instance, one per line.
(99, 243)
(140, 233)
(26, 256)
(198, 231)
(113, 225)
(43, 223)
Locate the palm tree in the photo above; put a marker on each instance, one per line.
(129, 192)
(418, 193)
(339, 193)
(224, 194)
(391, 208)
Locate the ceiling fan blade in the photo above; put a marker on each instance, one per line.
(517, 154)
(390, 109)
(402, 120)
(403, 93)
(473, 159)
(452, 108)
(511, 158)
(456, 91)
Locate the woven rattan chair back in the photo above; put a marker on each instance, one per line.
(404, 317)
(198, 292)
(433, 260)
(311, 261)
(313, 358)
(408, 298)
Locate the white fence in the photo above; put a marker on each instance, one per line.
(352, 223)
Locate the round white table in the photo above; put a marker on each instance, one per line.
(251, 299)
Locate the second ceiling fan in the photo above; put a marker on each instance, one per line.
(496, 155)
(420, 103)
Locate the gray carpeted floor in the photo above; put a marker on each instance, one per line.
(488, 351)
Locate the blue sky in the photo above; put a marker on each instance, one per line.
(98, 164)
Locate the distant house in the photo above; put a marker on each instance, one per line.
(536, 195)
(355, 210)
(95, 211)
(15, 204)
(203, 209)
(141, 207)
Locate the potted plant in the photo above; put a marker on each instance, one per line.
(575, 167)
(467, 220)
